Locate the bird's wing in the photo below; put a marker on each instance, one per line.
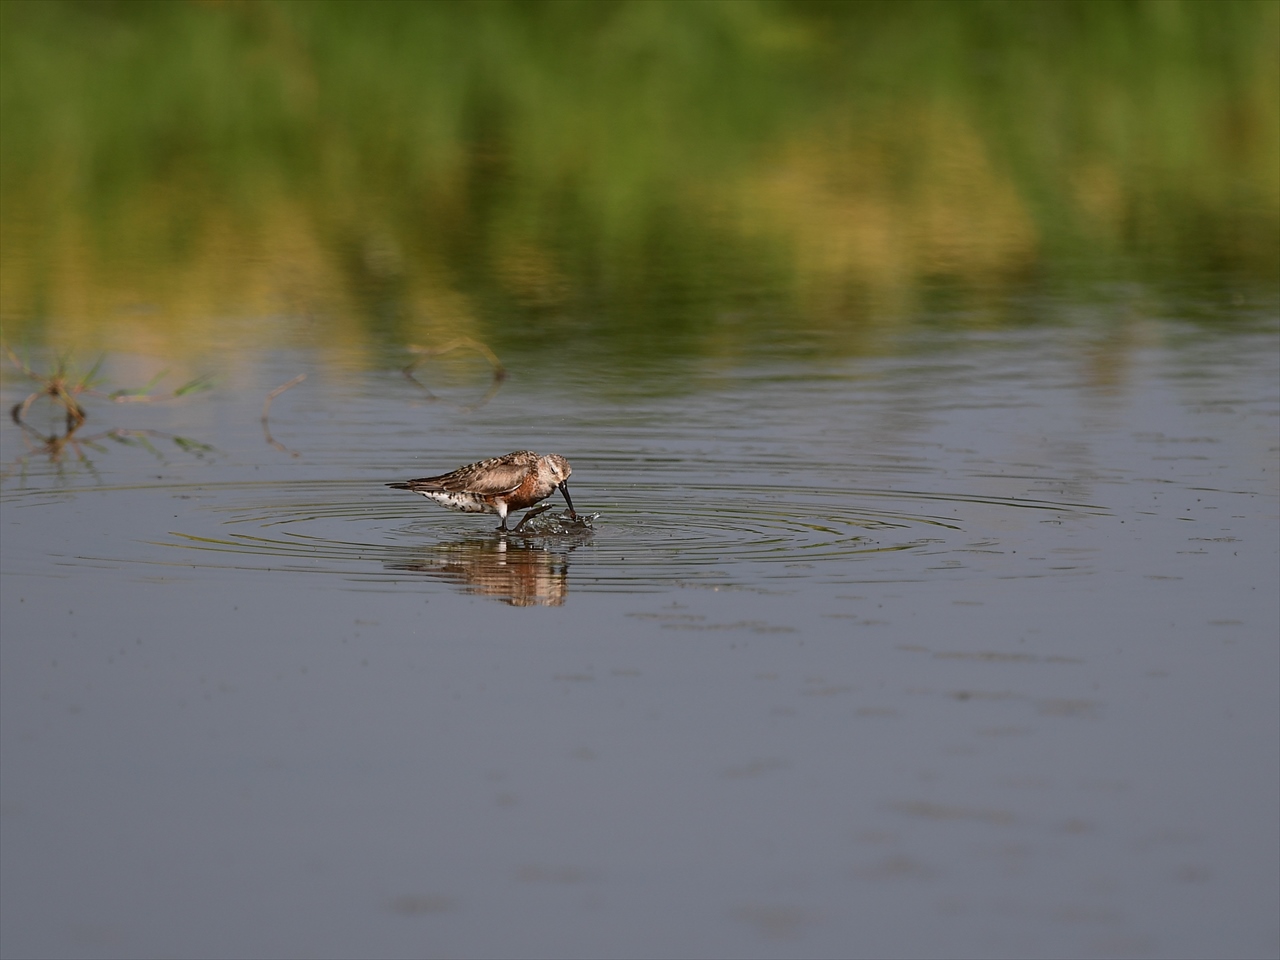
(497, 476)
(496, 479)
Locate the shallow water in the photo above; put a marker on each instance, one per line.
(968, 648)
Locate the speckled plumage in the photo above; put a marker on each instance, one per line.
(498, 485)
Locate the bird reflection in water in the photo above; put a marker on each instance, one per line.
(524, 571)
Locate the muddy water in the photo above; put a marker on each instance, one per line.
(965, 649)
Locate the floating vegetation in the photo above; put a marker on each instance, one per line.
(55, 446)
(64, 386)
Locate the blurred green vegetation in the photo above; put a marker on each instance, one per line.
(630, 177)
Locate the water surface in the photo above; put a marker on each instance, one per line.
(956, 651)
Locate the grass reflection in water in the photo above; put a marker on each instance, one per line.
(634, 180)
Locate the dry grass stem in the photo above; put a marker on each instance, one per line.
(266, 404)
(266, 413)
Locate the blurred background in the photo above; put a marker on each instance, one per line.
(632, 180)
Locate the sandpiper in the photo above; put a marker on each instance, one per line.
(499, 485)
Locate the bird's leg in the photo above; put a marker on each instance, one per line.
(531, 514)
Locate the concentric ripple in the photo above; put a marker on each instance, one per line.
(644, 536)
